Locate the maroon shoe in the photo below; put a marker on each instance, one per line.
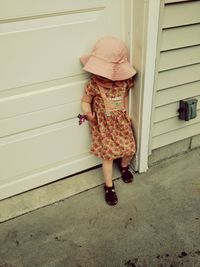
(110, 195)
(127, 175)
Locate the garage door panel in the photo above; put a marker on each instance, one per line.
(36, 149)
(41, 86)
(39, 118)
(43, 98)
(39, 50)
(47, 174)
(11, 9)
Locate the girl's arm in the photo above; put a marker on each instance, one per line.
(86, 107)
(127, 109)
(86, 102)
(87, 110)
(130, 84)
(126, 103)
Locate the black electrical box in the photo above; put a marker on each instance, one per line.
(188, 109)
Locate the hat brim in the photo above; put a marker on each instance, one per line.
(84, 59)
(112, 71)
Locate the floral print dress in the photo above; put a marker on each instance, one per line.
(112, 135)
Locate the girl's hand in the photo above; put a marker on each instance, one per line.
(91, 117)
(130, 120)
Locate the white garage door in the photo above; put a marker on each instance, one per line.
(41, 86)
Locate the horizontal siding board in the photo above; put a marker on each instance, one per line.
(178, 76)
(180, 37)
(172, 124)
(165, 112)
(179, 57)
(174, 136)
(181, 14)
(169, 111)
(173, 94)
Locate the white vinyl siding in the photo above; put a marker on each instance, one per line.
(178, 71)
(189, 14)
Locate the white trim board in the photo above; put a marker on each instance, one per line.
(152, 10)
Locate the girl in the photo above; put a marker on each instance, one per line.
(105, 104)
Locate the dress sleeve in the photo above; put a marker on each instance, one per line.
(90, 92)
(129, 84)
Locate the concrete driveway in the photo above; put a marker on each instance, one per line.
(156, 223)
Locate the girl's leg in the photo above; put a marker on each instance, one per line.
(110, 195)
(125, 161)
(107, 172)
(127, 176)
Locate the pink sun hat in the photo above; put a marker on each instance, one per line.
(109, 59)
